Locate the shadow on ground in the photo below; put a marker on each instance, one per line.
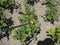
(32, 2)
(9, 23)
(47, 41)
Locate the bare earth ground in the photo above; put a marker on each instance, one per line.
(40, 11)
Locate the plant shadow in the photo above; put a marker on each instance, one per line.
(32, 2)
(9, 23)
(47, 41)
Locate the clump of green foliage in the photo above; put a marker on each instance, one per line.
(2, 22)
(6, 2)
(52, 12)
(55, 34)
(31, 29)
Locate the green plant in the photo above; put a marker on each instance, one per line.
(5, 3)
(52, 12)
(55, 34)
(31, 29)
(2, 22)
